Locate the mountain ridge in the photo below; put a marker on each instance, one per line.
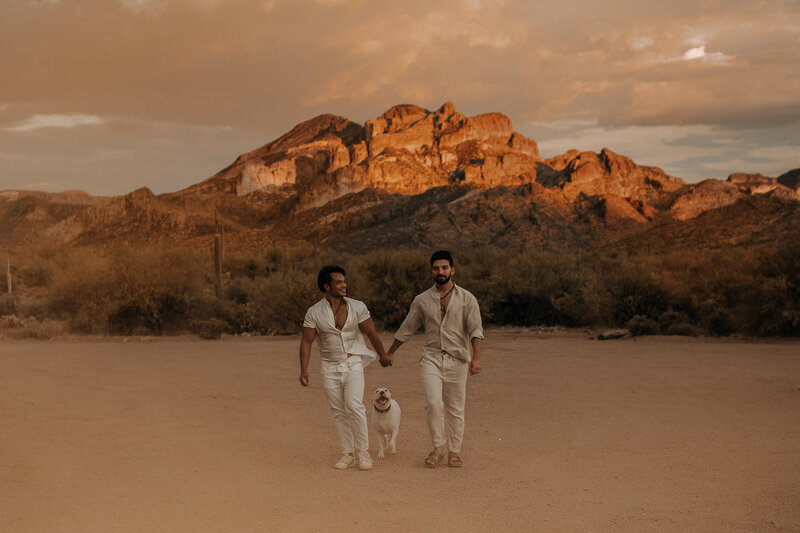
(408, 173)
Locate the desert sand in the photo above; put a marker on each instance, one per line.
(564, 433)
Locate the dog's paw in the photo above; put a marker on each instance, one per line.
(381, 454)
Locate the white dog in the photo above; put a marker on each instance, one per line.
(385, 420)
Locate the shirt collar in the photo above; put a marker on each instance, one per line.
(435, 291)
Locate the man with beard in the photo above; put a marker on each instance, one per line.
(452, 322)
(340, 324)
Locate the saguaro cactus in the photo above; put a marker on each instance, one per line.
(8, 273)
(218, 250)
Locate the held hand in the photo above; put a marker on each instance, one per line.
(389, 358)
(474, 367)
(386, 360)
(304, 381)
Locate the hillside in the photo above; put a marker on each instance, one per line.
(414, 177)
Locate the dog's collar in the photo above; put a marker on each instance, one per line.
(382, 410)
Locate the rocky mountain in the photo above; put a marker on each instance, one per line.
(409, 177)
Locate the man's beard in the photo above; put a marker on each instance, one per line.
(444, 280)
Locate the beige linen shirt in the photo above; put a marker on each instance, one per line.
(453, 332)
(336, 344)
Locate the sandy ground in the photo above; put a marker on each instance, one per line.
(563, 434)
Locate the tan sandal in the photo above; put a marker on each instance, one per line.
(434, 458)
(453, 460)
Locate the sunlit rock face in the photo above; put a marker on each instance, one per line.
(406, 150)
(409, 150)
(607, 173)
(410, 175)
(691, 200)
(708, 194)
(782, 187)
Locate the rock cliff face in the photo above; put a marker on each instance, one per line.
(692, 200)
(65, 197)
(407, 150)
(406, 175)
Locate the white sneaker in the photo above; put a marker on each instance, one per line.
(348, 460)
(364, 460)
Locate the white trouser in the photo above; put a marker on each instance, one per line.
(344, 387)
(444, 382)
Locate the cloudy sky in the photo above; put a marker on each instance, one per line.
(111, 95)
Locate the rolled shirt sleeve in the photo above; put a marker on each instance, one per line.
(472, 319)
(412, 323)
(308, 321)
(362, 313)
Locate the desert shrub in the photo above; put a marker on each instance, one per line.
(258, 265)
(642, 325)
(239, 290)
(35, 265)
(153, 288)
(683, 329)
(718, 323)
(589, 300)
(211, 328)
(774, 301)
(79, 293)
(8, 305)
(13, 327)
(517, 289)
(635, 296)
(525, 309)
(278, 303)
(126, 291)
(388, 281)
(748, 290)
(10, 322)
(673, 320)
(152, 313)
(773, 309)
(36, 274)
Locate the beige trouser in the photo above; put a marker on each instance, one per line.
(444, 383)
(344, 388)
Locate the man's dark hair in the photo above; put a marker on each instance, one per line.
(442, 254)
(324, 276)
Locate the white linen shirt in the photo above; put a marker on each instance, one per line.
(453, 332)
(335, 344)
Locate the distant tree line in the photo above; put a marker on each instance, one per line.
(125, 291)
